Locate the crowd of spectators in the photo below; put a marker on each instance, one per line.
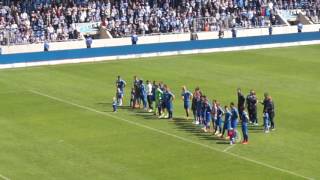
(33, 21)
(312, 9)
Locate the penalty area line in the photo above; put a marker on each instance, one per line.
(169, 134)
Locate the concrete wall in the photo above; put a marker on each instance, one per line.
(157, 48)
(152, 39)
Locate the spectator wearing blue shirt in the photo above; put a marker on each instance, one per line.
(134, 38)
(88, 41)
(46, 46)
(300, 27)
(270, 29)
(234, 31)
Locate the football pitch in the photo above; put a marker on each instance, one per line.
(57, 121)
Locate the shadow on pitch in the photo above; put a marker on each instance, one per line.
(186, 125)
(180, 124)
(104, 104)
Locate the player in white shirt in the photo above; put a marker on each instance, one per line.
(149, 95)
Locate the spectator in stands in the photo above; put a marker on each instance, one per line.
(34, 21)
(134, 38)
(88, 41)
(300, 27)
(221, 33)
(46, 46)
(234, 32)
(270, 29)
(193, 36)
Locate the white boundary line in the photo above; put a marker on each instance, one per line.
(170, 134)
(154, 54)
(4, 177)
(229, 147)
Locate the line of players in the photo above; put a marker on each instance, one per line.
(149, 94)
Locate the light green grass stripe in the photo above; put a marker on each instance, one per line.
(170, 134)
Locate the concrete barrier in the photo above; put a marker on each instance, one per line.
(55, 46)
(158, 49)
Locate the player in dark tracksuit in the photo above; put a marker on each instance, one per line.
(241, 101)
(203, 110)
(251, 102)
(136, 99)
(196, 102)
(268, 107)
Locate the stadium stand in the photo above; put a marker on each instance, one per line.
(33, 21)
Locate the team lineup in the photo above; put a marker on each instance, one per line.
(158, 98)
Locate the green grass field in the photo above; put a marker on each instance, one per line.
(56, 121)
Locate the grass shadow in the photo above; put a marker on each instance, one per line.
(186, 125)
(180, 124)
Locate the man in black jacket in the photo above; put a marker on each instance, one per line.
(252, 107)
(268, 107)
(241, 101)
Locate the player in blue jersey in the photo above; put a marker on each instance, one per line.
(168, 97)
(227, 121)
(266, 122)
(186, 97)
(120, 84)
(244, 126)
(218, 127)
(143, 94)
(119, 96)
(114, 104)
(207, 115)
(234, 119)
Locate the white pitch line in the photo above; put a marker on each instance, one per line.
(4, 177)
(170, 134)
(228, 148)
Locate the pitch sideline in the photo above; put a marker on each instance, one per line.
(4, 177)
(168, 134)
